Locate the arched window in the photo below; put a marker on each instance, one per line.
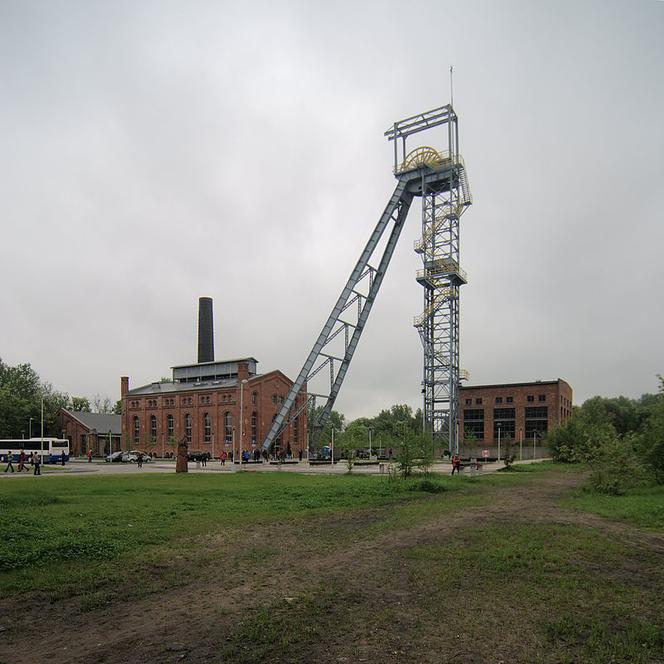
(228, 427)
(187, 427)
(254, 398)
(137, 429)
(153, 428)
(254, 427)
(170, 426)
(207, 428)
(296, 431)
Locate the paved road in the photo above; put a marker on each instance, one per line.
(81, 468)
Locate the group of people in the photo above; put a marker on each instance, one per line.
(257, 455)
(23, 460)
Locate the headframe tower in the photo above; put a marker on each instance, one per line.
(438, 175)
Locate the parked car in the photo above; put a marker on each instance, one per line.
(198, 456)
(114, 457)
(132, 456)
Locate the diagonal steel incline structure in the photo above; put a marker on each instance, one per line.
(439, 178)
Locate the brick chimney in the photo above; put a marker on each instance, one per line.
(124, 386)
(242, 371)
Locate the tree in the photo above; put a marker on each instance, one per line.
(349, 442)
(102, 404)
(117, 408)
(649, 441)
(80, 404)
(21, 394)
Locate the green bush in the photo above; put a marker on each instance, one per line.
(650, 440)
(578, 439)
(615, 467)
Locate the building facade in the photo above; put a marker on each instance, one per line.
(223, 405)
(515, 412)
(99, 432)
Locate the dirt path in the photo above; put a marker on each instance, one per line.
(274, 565)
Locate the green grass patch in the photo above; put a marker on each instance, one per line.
(72, 533)
(642, 507)
(573, 586)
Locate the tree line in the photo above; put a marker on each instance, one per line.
(21, 395)
(621, 439)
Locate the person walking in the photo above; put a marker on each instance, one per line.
(456, 464)
(299, 454)
(21, 462)
(89, 456)
(222, 457)
(62, 460)
(36, 463)
(8, 459)
(139, 461)
(204, 460)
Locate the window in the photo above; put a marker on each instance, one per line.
(509, 399)
(499, 400)
(207, 428)
(274, 398)
(530, 397)
(536, 428)
(478, 401)
(541, 397)
(137, 429)
(296, 431)
(228, 428)
(254, 426)
(170, 426)
(504, 422)
(469, 402)
(473, 424)
(153, 429)
(254, 398)
(187, 427)
(536, 421)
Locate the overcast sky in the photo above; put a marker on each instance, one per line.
(154, 152)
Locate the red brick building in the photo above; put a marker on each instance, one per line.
(519, 411)
(99, 432)
(224, 405)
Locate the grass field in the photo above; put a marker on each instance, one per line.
(516, 567)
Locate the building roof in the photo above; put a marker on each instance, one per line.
(494, 386)
(234, 361)
(170, 386)
(102, 422)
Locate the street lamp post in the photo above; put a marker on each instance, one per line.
(30, 428)
(370, 433)
(534, 440)
(498, 442)
(332, 449)
(242, 384)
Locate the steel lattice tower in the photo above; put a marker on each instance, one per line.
(442, 276)
(439, 177)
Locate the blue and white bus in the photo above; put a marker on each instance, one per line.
(49, 449)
